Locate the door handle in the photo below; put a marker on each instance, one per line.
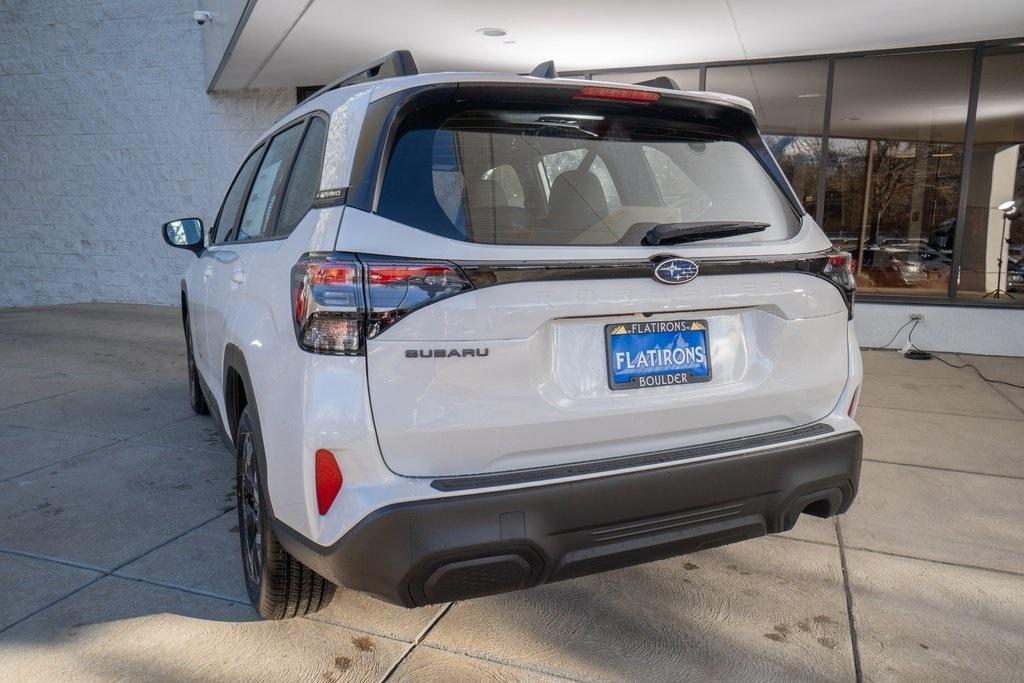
(237, 278)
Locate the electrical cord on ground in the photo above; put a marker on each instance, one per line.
(897, 333)
(919, 354)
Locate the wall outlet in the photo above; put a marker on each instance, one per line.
(916, 316)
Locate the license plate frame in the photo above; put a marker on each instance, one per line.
(664, 376)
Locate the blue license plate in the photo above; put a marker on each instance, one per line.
(657, 354)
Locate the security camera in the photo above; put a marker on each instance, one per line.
(201, 16)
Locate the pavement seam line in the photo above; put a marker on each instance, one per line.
(863, 549)
(51, 604)
(948, 563)
(416, 641)
(879, 406)
(504, 662)
(945, 469)
(55, 560)
(854, 644)
(132, 439)
(107, 573)
(183, 589)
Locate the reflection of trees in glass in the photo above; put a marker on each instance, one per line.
(912, 188)
(178, 235)
(799, 157)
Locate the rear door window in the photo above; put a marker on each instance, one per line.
(516, 176)
(304, 179)
(266, 186)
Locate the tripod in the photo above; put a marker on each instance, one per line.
(999, 291)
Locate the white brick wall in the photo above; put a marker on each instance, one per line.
(106, 132)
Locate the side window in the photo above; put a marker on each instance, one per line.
(266, 187)
(304, 179)
(233, 200)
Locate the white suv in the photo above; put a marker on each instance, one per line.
(469, 333)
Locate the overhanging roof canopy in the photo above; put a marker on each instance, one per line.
(263, 43)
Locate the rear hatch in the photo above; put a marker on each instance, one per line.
(600, 276)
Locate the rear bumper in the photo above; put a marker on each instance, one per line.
(465, 546)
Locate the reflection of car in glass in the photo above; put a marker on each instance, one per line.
(942, 236)
(1015, 274)
(904, 264)
(934, 261)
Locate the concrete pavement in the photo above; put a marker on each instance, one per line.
(119, 552)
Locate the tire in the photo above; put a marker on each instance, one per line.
(279, 586)
(195, 390)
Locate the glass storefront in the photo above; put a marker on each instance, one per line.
(992, 259)
(895, 149)
(895, 128)
(789, 99)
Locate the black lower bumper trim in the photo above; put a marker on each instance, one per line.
(464, 546)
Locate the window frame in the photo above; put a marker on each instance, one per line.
(264, 145)
(276, 219)
(245, 197)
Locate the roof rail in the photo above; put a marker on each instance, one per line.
(660, 82)
(397, 63)
(545, 70)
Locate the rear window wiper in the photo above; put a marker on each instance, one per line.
(693, 231)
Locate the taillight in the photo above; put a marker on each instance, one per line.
(328, 479)
(327, 304)
(395, 288)
(340, 300)
(838, 270)
(596, 92)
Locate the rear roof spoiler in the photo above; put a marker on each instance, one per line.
(663, 82)
(397, 63)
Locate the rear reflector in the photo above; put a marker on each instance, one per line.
(595, 92)
(328, 480)
(852, 410)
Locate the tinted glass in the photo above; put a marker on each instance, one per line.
(305, 178)
(585, 179)
(992, 266)
(259, 209)
(789, 100)
(233, 200)
(896, 146)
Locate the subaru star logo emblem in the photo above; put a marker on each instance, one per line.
(675, 271)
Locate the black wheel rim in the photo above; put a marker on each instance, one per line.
(249, 500)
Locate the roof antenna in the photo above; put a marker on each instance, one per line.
(545, 70)
(660, 82)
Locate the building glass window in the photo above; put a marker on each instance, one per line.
(686, 79)
(895, 156)
(993, 250)
(789, 101)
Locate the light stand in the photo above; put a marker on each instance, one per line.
(1010, 212)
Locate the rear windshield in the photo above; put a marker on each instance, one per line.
(519, 177)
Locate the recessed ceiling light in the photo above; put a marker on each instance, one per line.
(851, 118)
(492, 32)
(808, 95)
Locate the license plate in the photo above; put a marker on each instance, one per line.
(657, 354)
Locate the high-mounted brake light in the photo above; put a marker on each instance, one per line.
(340, 300)
(328, 479)
(596, 92)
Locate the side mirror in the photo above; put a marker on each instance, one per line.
(185, 233)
